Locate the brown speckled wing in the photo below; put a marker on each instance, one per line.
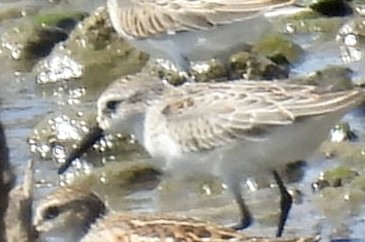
(124, 227)
(205, 116)
(154, 228)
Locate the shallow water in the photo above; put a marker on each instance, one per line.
(25, 105)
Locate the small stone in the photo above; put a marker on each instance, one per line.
(342, 132)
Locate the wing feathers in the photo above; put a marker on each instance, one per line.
(146, 18)
(205, 116)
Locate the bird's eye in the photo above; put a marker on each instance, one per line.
(111, 106)
(51, 213)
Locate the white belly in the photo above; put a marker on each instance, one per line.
(245, 158)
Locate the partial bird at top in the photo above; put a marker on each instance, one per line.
(192, 30)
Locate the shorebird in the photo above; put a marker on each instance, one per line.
(193, 30)
(79, 214)
(233, 130)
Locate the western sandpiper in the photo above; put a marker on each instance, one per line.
(232, 130)
(192, 30)
(71, 212)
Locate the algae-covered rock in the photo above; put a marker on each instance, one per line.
(64, 20)
(19, 9)
(120, 174)
(241, 65)
(209, 71)
(166, 70)
(339, 176)
(35, 37)
(275, 45)
(331, 78)
(255, 67)
(338, 203)
(96, 48)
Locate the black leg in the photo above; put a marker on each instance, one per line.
(285, 204)
(246, 218)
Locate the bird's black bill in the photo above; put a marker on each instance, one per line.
(95, 134)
